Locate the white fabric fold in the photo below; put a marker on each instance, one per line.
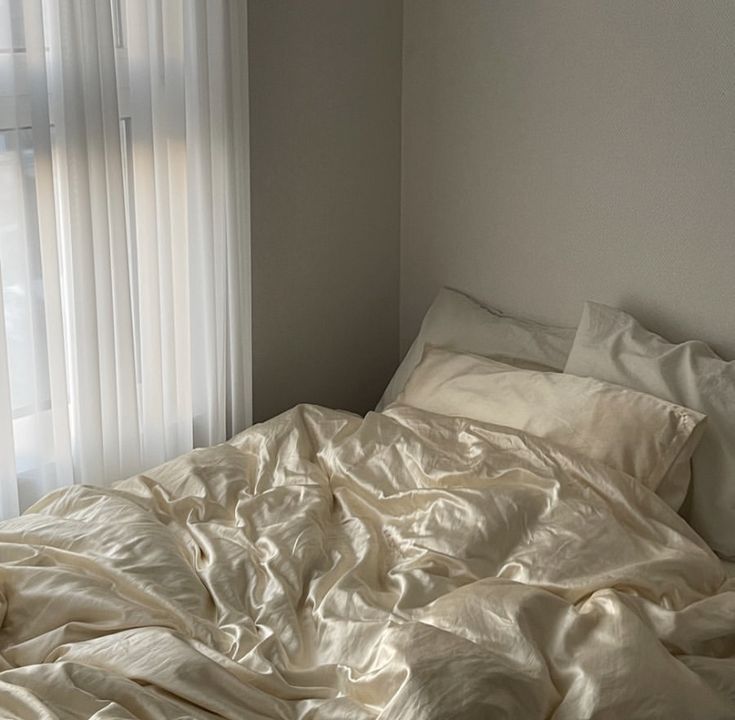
(407, 565)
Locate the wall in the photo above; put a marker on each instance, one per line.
(325, 89)
(560, 151)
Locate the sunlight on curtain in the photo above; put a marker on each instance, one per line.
(124, 237)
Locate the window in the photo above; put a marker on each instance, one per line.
(122, 237)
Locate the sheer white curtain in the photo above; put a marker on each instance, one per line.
(124, 237)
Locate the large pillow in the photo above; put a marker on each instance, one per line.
(613, 346)
(640, 434)
(457, 322)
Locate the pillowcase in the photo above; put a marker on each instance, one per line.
(457, 322)
(613, 346)
(642, 435)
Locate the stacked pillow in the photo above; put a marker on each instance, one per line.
(457, 322)
(613, 368)
(653, 444)
(613, 346)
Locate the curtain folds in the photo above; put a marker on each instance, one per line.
(124, 237)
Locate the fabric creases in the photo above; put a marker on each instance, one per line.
(404, 565)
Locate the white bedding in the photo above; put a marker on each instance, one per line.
(407, 565)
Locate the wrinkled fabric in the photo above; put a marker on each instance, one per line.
(612, 345)
(654, 444)
(405, 565)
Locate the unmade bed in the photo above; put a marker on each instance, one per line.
(502, 540)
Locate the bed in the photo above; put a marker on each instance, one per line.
(500, 540)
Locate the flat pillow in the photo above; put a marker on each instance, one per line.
(613, 346)
(457, 322)
(642, 435)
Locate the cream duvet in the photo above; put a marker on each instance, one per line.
(407, 565)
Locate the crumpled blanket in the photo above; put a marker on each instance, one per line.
(404, 565)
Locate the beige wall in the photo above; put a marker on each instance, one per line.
(325, 87)
(558, 151)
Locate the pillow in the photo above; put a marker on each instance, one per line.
(642, 435)
(613, 346)
(456, 322)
